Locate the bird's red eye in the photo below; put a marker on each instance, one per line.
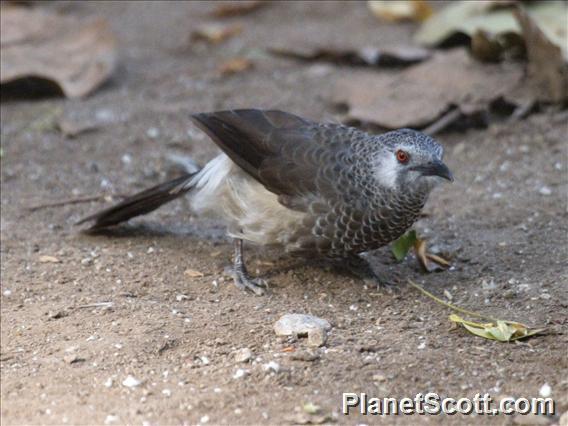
(402, 156)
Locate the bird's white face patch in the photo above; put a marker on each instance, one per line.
(386, 171)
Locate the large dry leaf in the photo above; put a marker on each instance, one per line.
(369, 56)
(76, 55)
(237, 8)
(460, 20)
(548, 56)
(393, 11)
(418, 96)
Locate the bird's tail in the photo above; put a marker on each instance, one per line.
(140, 203)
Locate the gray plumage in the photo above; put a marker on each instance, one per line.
(314, 189)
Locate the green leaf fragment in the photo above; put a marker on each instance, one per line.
(402, 246)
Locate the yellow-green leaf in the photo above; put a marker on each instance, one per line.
(502, 331)
(402, 246)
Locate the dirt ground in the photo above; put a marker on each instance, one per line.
(120, 304)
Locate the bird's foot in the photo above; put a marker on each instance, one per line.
(361, 269)
(245, 282)
(382, 284)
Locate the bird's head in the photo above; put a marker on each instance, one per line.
(410, 160)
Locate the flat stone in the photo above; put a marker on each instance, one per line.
(299, 325)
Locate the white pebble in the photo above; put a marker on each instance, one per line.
(153, 132)
(108, 383)
(110, 419)
(131, 382)
(545, 390)
(271, 366)
(7, 292)
(422, 345)
(545, 190)
(167, 392)
(240, 373)
(204, 419)
(126, 159)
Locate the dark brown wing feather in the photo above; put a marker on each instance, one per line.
(290, 156)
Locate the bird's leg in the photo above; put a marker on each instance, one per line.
(240, 275)
(360, 267)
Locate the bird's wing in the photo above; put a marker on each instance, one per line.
(292, 157)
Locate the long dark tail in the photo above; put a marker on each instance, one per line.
(141, 203)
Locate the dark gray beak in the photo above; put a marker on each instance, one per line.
(435, 168)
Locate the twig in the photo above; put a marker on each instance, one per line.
(96, 305)
(449, 305)
(443, 122)
(67, 201)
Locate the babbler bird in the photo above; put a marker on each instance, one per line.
(313, 189)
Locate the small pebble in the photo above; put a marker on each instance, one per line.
(545, 190)
(72, 358)
(131, 382)
(243, 355)
(545, 390)
(272, 366)
(240, 373)
(7, 292)
(126, 159)
(153, 132)
(307, 356)
(110, 419)
(317, 337)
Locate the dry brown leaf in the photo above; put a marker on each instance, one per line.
(193, 273)
(548, 66)
(78, 56)
(234, 66)
(418, 96)
(393, 11)
(237, 8)
(372, 56)
(216, 33)
(49, 259)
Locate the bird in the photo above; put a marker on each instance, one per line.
(316, 190)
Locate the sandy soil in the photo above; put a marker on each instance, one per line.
(120, 304)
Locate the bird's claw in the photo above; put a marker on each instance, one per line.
(382, 285)
(244, 282)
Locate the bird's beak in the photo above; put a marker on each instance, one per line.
(435, 168)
